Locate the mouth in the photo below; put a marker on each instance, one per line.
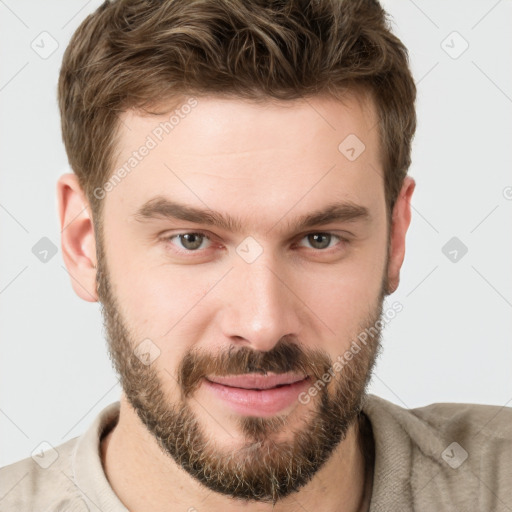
(257, 395)
(257, 382)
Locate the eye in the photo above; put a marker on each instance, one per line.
(196, 241)
(190, 242)
(322, 241)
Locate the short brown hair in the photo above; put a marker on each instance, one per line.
(130, 54)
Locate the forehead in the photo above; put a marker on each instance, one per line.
(238, 155)
(209, 119)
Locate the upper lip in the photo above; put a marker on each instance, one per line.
(254, 381)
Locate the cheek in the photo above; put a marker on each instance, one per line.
(153, 294)
(343, 296)
(165, 304)
(340, 299)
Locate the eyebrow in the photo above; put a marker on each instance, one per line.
(161, 207)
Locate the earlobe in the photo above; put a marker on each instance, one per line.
(78, 242)
(401, 219)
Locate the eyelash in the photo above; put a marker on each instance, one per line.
(343, 241)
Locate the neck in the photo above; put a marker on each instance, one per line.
(146, 479)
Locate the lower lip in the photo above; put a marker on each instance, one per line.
(252, 402)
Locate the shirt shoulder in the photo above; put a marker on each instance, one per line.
(69, 477)
(43, 482)
(456, 455)
(466, 421)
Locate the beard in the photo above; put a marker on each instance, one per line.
(264, 468)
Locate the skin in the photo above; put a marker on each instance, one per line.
(265, 164)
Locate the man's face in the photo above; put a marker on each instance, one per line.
(270, 298)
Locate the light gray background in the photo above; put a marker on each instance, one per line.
(450, 343)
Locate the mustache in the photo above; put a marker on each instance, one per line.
(284, 357)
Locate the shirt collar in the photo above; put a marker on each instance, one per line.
(392, 466)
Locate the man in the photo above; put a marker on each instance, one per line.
(239, 206)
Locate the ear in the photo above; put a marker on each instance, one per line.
(78, 243)
(400, 221)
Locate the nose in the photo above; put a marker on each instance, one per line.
(262, 306)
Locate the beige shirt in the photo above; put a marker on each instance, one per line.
(442, 457)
